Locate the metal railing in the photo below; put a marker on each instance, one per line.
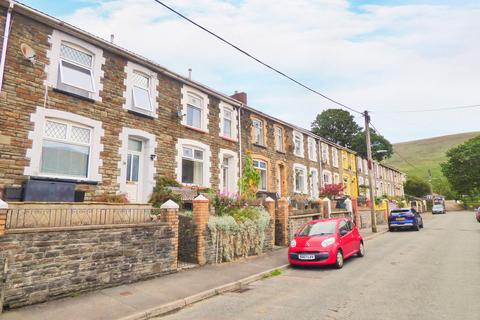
(23, 218)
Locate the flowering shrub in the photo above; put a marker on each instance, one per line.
(332, 190)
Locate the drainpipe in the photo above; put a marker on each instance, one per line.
(240, 144)
(5, 42)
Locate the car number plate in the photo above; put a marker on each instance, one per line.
(400, 219)
(306, 256)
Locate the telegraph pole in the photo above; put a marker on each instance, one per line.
(370, 172)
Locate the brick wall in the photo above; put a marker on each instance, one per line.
(54, 264)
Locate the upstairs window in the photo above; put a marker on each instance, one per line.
(298, 144)
(75, 71)
(194, 111)
(335, 157)
(325, 158)
(279, 139)
(312, 149)
(258, 133)
(227, 123)
(141, 92)
(326, 177)
(261, 166)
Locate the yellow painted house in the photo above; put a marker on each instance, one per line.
(349, 176)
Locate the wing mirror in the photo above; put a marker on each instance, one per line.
(343, 232)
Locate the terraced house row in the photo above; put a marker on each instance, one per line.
(84, 117)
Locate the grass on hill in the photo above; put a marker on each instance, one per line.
(426, 154)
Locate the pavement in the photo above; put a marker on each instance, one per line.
(147, 299)
(430, 274)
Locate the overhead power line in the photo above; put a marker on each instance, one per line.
(396, 152)
(283, 74)
(428, 109)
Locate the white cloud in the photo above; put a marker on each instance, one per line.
(383, 57)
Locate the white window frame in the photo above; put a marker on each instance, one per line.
(234, 120)
(329, 175)
(278, 147)
(130, 69)
(233, 169)
(359, 164)
(189, 91)
(53, 54)
(335, 159)
(262, 131)
(39, 119)
(312, 149)
(314, 192)
(336, 178)
(302, 168)
(150, 145)
(261, 169)
(207, 163)
(301, 152)
(324, 151)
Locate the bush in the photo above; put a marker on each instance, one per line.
(162, 193)
(239, 233)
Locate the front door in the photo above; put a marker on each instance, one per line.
(134, 170)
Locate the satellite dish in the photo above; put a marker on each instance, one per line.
(28, 52)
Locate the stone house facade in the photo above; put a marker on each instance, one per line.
(86, 115)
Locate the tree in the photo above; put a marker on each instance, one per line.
(336, 125)
(417, 187)
(378, 143)
(462, 167)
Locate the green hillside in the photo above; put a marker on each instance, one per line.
(426, 154)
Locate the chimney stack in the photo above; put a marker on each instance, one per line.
(112, 37)
(190, 73)
(240, 96)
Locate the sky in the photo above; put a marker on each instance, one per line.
(385, 56)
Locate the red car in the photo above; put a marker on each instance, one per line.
(478, 214)
(326, 242)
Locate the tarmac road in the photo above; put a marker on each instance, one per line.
(430, 274)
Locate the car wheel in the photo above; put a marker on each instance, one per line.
(361, 250)
(339, 261)
(416, 227)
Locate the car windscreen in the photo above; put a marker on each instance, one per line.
(400, 211)
(318, 229)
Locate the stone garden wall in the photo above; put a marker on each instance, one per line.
(48, 264)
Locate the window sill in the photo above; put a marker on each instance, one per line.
(280, 151)
(79, 181)
(194, 128)
(259, 145)
(73, 95)
(229, 139)
(300, 156)
(140, 114)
